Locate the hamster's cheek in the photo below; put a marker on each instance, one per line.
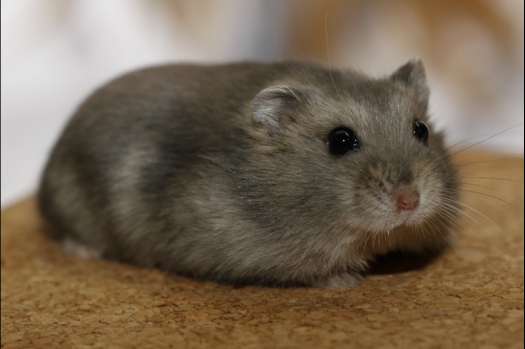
(363, 211)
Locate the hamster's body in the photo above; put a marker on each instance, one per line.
(228, 172)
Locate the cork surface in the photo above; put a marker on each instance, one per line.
(469, 297)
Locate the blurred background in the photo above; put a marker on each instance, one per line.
(55, 52)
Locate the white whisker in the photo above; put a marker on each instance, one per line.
(486, 139)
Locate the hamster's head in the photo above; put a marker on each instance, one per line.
(359, 152)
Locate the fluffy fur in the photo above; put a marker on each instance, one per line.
(223, 172)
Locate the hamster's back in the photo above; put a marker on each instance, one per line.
(139, 142)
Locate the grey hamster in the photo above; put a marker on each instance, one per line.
(277, 174)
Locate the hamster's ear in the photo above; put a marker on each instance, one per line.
(275, 106)
(413, 74)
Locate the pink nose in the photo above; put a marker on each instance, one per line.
(407, 200)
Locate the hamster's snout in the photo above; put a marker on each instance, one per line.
(407, 199)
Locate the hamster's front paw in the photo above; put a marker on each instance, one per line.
(78, 249)
(341, 280)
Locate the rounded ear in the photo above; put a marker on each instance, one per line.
(413, 74)
(275, 106)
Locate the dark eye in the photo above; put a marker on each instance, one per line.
(420, 131)
(341, 141)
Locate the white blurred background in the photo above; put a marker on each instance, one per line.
(55, 52)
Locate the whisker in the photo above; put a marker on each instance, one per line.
(431, 225)
(447, 219)
(492, 204)
(491, 196)
(329, 65)
(481, 214)
(453, 209)
(507, 156)
(513, 201)
(492, 178)
(466, 140)
(477, 185)
(486, 139)
(328, 50)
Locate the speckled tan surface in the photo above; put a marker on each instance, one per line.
(469, 297)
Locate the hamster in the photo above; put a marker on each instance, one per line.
(279, 174)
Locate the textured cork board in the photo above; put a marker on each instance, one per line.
(469, 297)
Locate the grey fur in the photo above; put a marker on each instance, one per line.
(223, 172)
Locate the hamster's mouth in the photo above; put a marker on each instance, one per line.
(402, 218)
(389, 222)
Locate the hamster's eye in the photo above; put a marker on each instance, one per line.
(341, 141)
(420, 131)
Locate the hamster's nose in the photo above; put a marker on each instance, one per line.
(407, 200)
